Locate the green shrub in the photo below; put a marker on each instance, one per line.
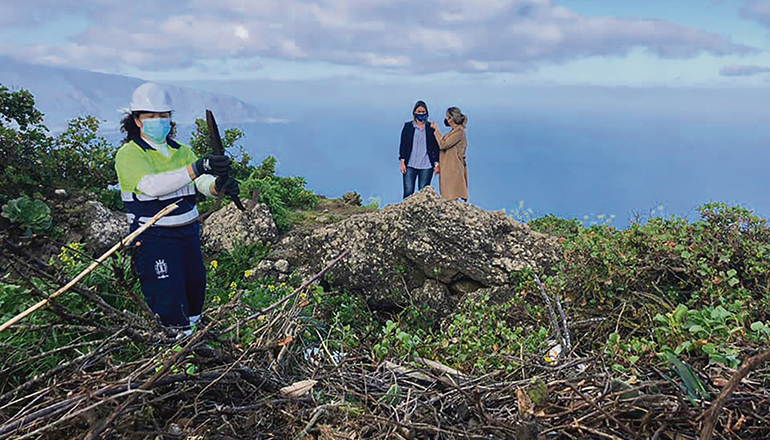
(84, 159)
(284, 196)
(722, 257)
(24, 146)
(550, 224)
(31, 215)
(34, 162)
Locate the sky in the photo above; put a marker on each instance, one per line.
(683, 43)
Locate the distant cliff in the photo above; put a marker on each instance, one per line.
(62, 94)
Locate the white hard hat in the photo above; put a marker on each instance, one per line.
(150, 97)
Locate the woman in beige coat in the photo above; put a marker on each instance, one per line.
(453, 171)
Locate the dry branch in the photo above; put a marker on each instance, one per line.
(124, 242)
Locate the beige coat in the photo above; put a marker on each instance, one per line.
(453, 171)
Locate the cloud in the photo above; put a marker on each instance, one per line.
(385, 35)
(758, 11)
(742, 70)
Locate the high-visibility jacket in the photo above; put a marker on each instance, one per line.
(137, 159)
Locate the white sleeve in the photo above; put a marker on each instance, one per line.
(203, 183)
(156, 185)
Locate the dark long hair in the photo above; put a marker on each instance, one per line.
(132, 131)
(419, 104)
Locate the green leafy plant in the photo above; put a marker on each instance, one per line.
(395, 342)
(374, 204)
(709, 330)
(31, 215)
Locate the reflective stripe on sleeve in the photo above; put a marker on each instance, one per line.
(174, 220)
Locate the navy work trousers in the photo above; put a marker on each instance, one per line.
(172, 274)
(423, 178)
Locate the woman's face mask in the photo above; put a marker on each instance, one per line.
(156, 129)
(446, 122)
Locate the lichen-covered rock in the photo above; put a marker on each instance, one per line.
(104, 228)
(425, 244)
(229, 225)
(433, 294)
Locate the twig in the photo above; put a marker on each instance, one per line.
(602, 410)
(316, 414)
(712, 415)
(96, 432)
(568, 346)
(299, 289)
(551, 313)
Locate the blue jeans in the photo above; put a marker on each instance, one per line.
(424, 176)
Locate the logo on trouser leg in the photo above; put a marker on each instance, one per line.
(161, 269)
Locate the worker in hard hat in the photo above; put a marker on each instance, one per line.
(154, 171)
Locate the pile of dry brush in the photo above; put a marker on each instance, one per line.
(207, 385)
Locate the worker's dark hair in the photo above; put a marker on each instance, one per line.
(132, 131)
(129, 127)
(419, 104)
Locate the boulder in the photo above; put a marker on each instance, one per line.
(229, 225)
(104, 228)
(426, 247)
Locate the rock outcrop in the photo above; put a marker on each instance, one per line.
(228, 226)
(425, 250)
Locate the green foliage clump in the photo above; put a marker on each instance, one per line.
(720, 258)
(113, 280)
(24, 146)
(226, 273)
(480, 336)
(485, 336)
(342, 319)
(83, 158)
(710, 330)
(550, 224)
(283, 195)
(31, 215)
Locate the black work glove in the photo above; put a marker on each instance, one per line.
(212, 164)
(227, 184)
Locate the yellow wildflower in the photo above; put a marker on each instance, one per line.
(214, 264)
(248, 273)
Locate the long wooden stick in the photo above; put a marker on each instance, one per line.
(124, 242)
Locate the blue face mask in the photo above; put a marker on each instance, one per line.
(422, 118)
(156, 129)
